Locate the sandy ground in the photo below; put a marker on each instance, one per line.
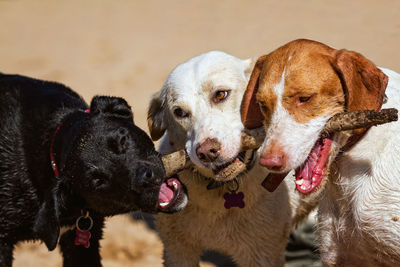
(127, 48)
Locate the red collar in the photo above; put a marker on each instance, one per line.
(52, 157)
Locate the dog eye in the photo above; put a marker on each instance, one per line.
(304, 99)
(180, 113)
(97, 182)
(263, 107)
(98, 179)
(220, 96)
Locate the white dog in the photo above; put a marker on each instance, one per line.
(198, 109)
(299, 87)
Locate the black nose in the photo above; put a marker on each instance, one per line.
(144, 173)
(146, 177)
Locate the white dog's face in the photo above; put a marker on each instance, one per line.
(199, 109)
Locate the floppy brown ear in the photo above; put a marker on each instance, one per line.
(155, 117)
(363, 83)
(251, 114)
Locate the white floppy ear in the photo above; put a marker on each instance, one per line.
(249, 65)
(155, 117)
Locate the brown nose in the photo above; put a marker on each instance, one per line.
(273, 161)
(209, 150)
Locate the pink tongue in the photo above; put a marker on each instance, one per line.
(166, 194)
(306, 172)
(310, 174)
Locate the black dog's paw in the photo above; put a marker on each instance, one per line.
(47, 226)
(111, 105)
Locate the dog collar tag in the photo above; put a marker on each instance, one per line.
(82, 236)
(233, 199)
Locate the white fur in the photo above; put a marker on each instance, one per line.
(191, 86)
(253, 236)
(360, 213)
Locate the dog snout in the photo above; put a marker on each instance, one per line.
(209, 150)
(146, 177)
(274, 159)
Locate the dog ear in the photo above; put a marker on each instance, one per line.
(363, 83)
(115, 106)
(46, 224)
(251, 113)
(155, 117)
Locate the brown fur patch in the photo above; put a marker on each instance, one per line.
(154, 117)
(364, 84)
(308, 74)
(319, 81)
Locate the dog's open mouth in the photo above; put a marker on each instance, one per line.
(311, 173)
(169, 193)
(233, 168)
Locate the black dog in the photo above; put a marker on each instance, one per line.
(64, 165)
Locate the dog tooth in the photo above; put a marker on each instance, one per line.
(299, 182)
(313, 179)
(164, 204)
(175, 185)
(305, 187)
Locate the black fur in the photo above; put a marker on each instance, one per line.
(107, 166)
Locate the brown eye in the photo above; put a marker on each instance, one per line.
(304, 99)
(220, 96)
(180, 113)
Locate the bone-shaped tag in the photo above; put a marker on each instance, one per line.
(233, 199)
(82, 238)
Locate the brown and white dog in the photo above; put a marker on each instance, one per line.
(298, 87)
(198, 109)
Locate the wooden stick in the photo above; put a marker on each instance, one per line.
(359, 119)
(175, 162)
(344, 121)
(253, 139)
(231, 171)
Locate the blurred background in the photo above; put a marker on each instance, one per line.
(127, 48)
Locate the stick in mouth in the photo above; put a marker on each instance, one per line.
(253, 139)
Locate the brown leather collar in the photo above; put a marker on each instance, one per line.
(353, 140)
